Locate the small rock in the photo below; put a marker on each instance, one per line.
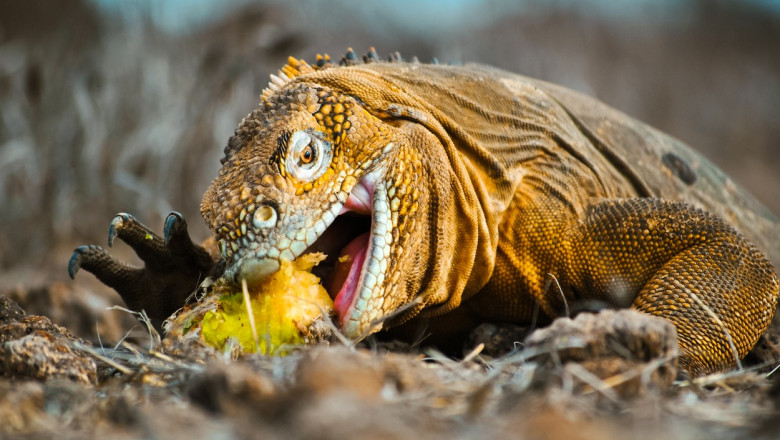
(323, 371)
(26, 325)
(82, 310)
(41, 355)
(34, 347)
(21, 406)
(224, 388)
(623, 348)
(498, 339)
(9, 310)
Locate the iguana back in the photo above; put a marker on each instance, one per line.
(631, 158)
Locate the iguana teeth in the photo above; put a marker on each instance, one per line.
(367, 305)
(297, 248)
(287, 254)
(311, 236)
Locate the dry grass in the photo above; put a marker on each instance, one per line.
(150, 387)
(475, 397)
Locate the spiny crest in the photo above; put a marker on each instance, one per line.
(296, 67)
(292, 69)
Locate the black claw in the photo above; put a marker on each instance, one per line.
(119, 218)
(74, 264)
(173, 220)
(111, 234)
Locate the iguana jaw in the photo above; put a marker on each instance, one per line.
(358, 296)
(356, 281)
(358, 302)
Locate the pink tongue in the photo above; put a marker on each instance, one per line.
(347, 274)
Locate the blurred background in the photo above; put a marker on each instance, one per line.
(109, 106)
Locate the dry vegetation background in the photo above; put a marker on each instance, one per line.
(100, 115)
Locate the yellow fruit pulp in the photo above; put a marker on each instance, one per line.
(284, 305)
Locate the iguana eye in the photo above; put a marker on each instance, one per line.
(309, 156)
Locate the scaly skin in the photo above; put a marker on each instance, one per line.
(492, 196)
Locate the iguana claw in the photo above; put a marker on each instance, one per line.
(93, 256)
(116, 222)
(174, 224)
(74, 264)
(173, 265)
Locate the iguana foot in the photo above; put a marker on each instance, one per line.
(173, 268)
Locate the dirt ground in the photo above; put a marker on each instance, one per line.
(99, 117)
(597, 376)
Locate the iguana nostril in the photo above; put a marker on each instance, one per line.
(264, 217)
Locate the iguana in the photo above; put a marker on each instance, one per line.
(463, 194)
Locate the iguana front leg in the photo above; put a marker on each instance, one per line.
(664, 258)
(173, 265)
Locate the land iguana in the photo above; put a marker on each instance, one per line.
(464, 194)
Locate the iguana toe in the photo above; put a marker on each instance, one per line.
(180, 246)
(96, 260)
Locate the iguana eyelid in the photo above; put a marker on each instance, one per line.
(323, 153)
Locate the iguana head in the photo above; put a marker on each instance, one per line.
(314, 169)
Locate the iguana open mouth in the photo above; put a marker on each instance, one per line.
(345, 242)
(347, 273)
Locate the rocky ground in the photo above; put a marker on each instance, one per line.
(597, 376)
(97, 117)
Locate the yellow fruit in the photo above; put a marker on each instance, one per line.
(284, 306)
